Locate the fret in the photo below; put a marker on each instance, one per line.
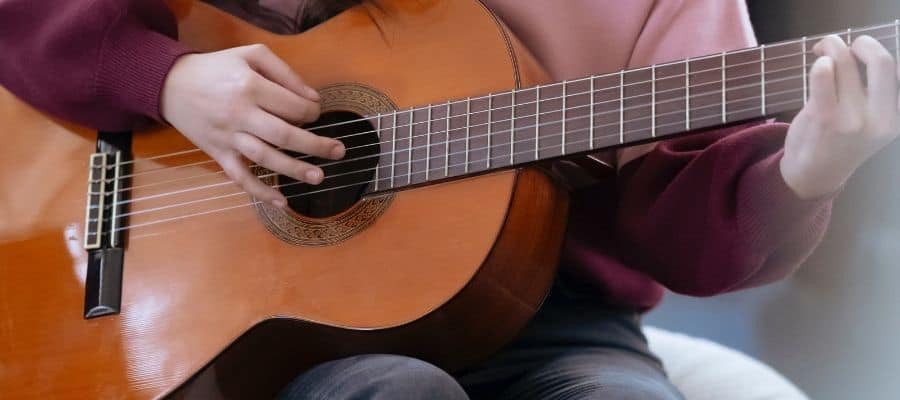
(724, 92)
(668, 114)
(762, 78)
(637, 105)
(687, 94)
(523, 137)
(849, 36)
(537, 123)
(409, 160)
(489, 133)
(468, 131)
(428, 145)
(744, 94)
(394, 150)
(563, 109)
(591, 119)
(550, 121)
(653, 100)
(577, 116)
(512, 129)
(805, 72)
(447, 142)
(622, 106)
(378, 158)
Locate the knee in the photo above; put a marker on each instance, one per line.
(406, 377)
(375, 377)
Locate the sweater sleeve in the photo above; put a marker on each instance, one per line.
(711, 213)
(101, 63)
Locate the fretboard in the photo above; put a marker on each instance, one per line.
(509, 129)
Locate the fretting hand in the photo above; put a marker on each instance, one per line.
(844, 123)
(243, 102)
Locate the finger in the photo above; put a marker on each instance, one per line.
(822, 86)
(882, 80)
(284, 103)
(266, 156)
(284, 135)
(241, 175)
(849, 84)
(264, 61)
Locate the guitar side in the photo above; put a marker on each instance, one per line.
(447, 273)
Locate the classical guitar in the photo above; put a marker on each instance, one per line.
(130, 267)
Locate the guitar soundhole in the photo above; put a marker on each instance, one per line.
(345, 180)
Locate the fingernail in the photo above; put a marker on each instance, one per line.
(278, 203)
(312, 94)
(338, 151)
(313, 176)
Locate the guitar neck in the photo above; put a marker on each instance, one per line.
(510, 129)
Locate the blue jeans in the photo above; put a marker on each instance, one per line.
(572, 349)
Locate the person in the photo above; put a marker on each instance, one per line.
(717, 211)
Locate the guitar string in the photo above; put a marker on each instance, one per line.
(405, 112)
(616, 100)
(856, 32)
(677, 123)
(159, 221)
(449, 142)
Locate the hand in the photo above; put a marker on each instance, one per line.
(241, 102)
(844, 123)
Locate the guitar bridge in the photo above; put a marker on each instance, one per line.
(103, 223)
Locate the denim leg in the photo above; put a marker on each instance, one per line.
(374, 377)
(609, 374)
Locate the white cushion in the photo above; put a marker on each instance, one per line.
(704, 370)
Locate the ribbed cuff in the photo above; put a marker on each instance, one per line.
(134, 64)
(773, 209)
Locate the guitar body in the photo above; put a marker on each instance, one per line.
(243, 300)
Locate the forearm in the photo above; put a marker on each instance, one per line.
(101, 63)
(710, 213)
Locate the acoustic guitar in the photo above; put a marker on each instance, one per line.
(130, 267)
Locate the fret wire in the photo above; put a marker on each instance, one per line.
(687, 94)
(724, 92)
(428, 144)
(762, 78)
(378, 159)
(563, 129)
(849, 36)
(512, 128)
(653, 101)
(537, 123)
(489, 118)
(591, 120)
(409, 160)
(447, 142)
(468, 128)
(622, 106)
(394, 151)
(805, 73)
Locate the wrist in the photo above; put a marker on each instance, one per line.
(806, 184)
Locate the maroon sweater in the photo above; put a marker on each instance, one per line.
(700, 215)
